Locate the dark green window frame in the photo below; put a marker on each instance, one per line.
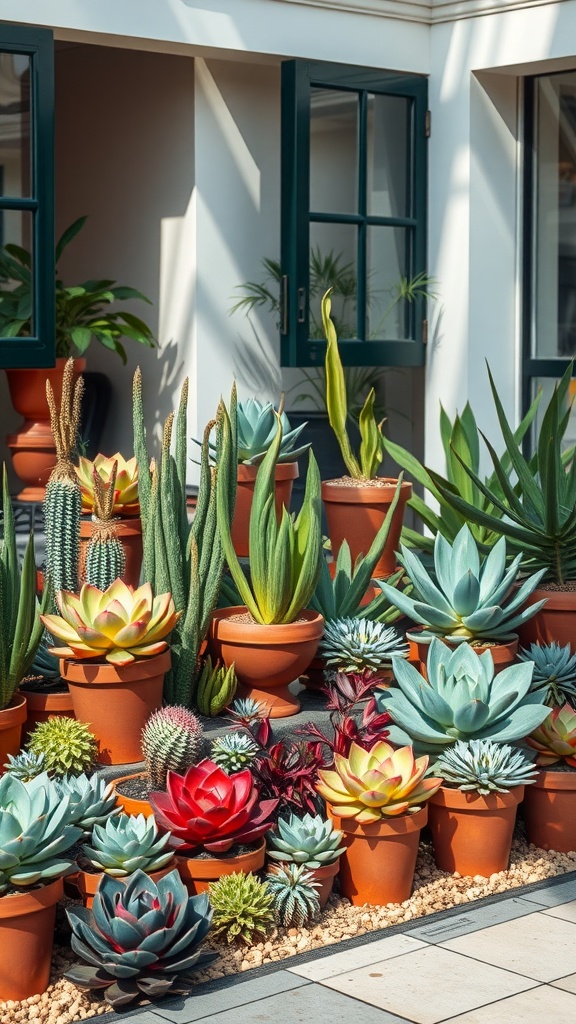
(39, 349)
(298, 78)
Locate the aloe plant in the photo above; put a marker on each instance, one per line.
(257, 429)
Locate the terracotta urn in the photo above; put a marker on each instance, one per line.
(549, 811)
(355, 512)
(26, 938)
(471, 833)
(198, 872)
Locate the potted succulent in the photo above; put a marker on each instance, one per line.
(554, 672)
(468, 601)
(295, 895)
(273, 636)
(471, 818)
(362, 648)
(217, 822)
(35, 834)
(312, 842)
(375, 797)
(549, 803)
(356, 505)
(114, 661)
(121, 475)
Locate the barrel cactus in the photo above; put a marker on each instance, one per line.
(172, 740)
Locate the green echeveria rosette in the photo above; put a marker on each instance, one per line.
(257, 429)
(128, 843)
(309, 840)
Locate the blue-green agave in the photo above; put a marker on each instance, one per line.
(309, 840)
(466, 600)
(128, 843)
(140, 938)
(295, 896)
(24, 765)
(257, 430)
(92, 800)
(462, 700)
(358, 645)
(554, 671)
(234, 751)
(484, 766)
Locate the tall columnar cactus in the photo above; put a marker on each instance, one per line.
(172, 740)
(105, 558)
(63, 501)
(186, 560)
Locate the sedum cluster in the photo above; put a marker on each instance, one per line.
(242, 907)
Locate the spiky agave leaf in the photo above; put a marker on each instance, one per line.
(294, 895)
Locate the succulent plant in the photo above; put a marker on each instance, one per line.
(466, 600)
(119, 624)
(206, 808)
(172, 740)
(25, 765)
(310, 840)
(555, 738)
(63, 501)
(462, 700)
(484, 766)
(246, 710)
(139, 938)
(216, 688)
(35, 832)
(126, 484)
(358, 645)
(242, 907)
(92, 800)
(105, 556)
(128, 843)
(372, 784)
(68, 746)
(294, 895)
(554, 671)
(257, 429)
(234, 751)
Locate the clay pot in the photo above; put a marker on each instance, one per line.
(380, 859)
(129, 533)
(12, 719)
(325, 876)
(556, 620)
(116, 701)
(503, 655)
(472, 834)
(286, 473)
(26, 937)
(42, 706)
(266, 658)
(130, 804)
(83, 884)
(355, 513)
(197, 873)
(549, 811)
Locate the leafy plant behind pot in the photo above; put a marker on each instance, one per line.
(554, 672)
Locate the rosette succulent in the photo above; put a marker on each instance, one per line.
(466, 600)
(25, 766)
(257, 429)
(462, 700)
(295, 899)
(484, 767)
(234, 751)
(358, 645)
(242, 907)
(128, 843)
(379, 783)
(310, 840)
(208, 809)
(118, 624)
(126, 486)
(91, 800)
(140, 938)
(555, 738)
(554, 671)
(66, 745)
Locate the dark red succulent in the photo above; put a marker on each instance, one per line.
(206, 808)
(288, 772)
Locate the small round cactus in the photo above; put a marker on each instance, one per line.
(172, 740)
(242, 906)
(68, 746)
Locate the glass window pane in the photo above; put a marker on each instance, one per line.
(387, 313)
(388, 191)
(15, 146)
(333, 151)
(16, 291)
(333, 249)
(547, 385)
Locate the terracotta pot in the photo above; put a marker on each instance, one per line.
(116, 702)
(129, 532)
(42, 706)
(380, 859)
(83, 884)
(472, 834)
(32, 447)
(549, 806)
(503, 655)
(286, 473)
(26, 937)
(197, 873)
(267, 658)
(555, 621)
(325, 876)
(355, 513)
(129, 804)
(12, 719)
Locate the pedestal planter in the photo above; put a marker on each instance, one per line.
(266, 658)
(355, 512)
(130, 804)
(198, 872)
(12, 719)
(42, 706)
(83, 884)
(116, 702)
(26, 938)
(472, 834)
(380, 859)
(129, 533)
(555, 621)
(550, 811)
(503, 655)
(286, 473)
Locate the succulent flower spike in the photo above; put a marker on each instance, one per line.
(118, 624)
(126, 486)
(555, 739)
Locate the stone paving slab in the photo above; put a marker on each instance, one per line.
(472, 919)
(247, 992)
